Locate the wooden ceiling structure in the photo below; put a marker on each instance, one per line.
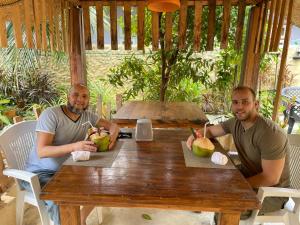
(64, 25)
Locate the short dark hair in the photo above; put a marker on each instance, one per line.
(243, 88)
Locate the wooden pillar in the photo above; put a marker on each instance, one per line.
(283, 60)
(77, 50)
(251, 57)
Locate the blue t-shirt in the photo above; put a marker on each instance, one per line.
(54, 121)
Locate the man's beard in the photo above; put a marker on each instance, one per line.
(246, 116)
(75, 110)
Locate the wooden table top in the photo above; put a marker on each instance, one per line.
(162, 114)
(152, 175)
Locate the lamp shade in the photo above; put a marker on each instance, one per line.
(163, 5)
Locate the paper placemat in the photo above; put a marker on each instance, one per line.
(192, 160)
(98, 159)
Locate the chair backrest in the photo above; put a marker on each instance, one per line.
(17, 142)
(291, 92)
(294, 160)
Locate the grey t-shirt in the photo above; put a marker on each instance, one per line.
(264, 140)
(54, 121)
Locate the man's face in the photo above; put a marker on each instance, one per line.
(78, 99)
(243, 105)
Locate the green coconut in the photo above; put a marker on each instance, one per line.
(203, 147)
(101, 141)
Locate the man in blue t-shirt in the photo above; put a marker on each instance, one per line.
(60, 132)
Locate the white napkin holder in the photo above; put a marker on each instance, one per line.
(143, 130)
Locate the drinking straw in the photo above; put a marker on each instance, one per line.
(88, 123)
(205, 129)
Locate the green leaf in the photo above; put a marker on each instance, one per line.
(4, 119)
(146, 217)
(4, 101)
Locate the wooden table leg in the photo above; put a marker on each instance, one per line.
(69, 214)
(229, 219)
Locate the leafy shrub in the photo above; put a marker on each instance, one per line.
(30, 87)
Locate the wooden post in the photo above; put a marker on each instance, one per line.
(211, 25)
(283, 60)
(280, 25)
(118, 101)
(182, 24)
(225, 23)
(251, 58)
(108, 111)
(77, 59)
(100, 26)
(197, 25)
(113, 25)
(155, 30)
(127, 25)
(168, 33)
(240, 25)
(140, 24)
(99, 106)
(270, 20)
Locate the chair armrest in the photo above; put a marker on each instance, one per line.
(19, 174)
(277, 192)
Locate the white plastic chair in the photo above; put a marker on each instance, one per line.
(16, 142)
(291, 212)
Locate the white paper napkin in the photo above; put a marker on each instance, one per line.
(81, 155)
(219, 158)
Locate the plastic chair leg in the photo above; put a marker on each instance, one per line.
(43, 213)
(99, 214)
(20, 207)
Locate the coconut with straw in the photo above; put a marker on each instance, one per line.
(202, 146)
(101, 140)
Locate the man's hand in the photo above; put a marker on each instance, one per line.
(84, 146)
(191, 139)
(211, 132)
(113, 135)
(112, 128)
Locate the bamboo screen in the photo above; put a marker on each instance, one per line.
(44, 24)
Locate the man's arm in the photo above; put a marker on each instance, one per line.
(214, 131)
(46, 149)
(272, 170)
(112, 128)
(211, 132)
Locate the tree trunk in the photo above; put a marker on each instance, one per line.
(164, 80)
(166, 64)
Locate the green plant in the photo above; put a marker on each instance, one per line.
(4, 104)
(101, 87)
(178, 74)
(35, 86)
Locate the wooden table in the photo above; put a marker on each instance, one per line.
(162, 114)
(151, 175)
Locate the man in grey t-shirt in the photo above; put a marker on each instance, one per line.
(60, 132)
(261, 144)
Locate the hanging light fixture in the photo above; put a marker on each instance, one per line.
(163, 5)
